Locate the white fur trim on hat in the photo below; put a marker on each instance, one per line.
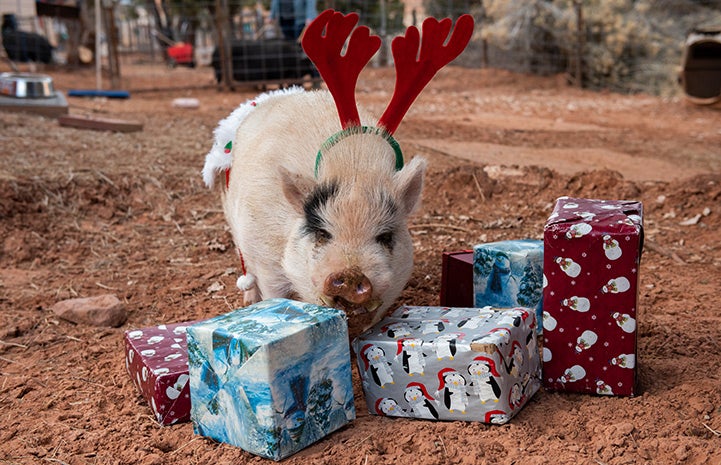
(217, 161)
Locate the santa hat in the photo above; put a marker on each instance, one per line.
(493, 413)
(491, 364)
(378, 406)
(521, 398)
(442, 377)
(400, 344)
(524, 313)
(421, 387)
(389, 326)
(364, 355)
(220, 158)
(500, 329)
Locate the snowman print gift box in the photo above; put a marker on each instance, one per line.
(157, 360)
(592, 251)
(445, 363)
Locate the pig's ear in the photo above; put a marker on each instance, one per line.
(409, 184)
(295, 187)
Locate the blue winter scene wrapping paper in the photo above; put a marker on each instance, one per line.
(509, 274)
(271, 378)
(445, 363)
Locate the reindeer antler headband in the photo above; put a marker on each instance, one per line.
(416, 63)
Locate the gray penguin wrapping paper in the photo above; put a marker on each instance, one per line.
(446, 363)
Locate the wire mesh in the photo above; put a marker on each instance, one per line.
(621, 45)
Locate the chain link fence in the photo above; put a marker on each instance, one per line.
(620, 45)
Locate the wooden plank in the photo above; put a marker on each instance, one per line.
(101, 124)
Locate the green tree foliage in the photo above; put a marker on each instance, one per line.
(483, 260)
(530, 290)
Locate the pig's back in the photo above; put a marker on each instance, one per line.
(285, 130)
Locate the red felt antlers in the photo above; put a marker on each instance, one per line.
(414, 69)
(416, 61)
(340, 72)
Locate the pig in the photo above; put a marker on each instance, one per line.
(340, 239)
(318, 215)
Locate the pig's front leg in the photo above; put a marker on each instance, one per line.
(251, 296)
(270, 283)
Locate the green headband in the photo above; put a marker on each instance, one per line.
(340, 135)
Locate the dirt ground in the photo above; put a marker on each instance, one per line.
(85, 213)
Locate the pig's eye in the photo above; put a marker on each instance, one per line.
(385, 239)
(322, 236)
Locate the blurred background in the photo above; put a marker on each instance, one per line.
(621, 45)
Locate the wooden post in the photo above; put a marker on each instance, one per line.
(484, 56)
(383, 33)
(224, 49)
(112, 35)
(579, 43)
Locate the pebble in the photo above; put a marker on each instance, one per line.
(103, 310)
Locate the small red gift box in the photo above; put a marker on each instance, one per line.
(157, 360)
(592, 251)
(457, 279)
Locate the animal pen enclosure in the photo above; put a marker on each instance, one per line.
(626, 46)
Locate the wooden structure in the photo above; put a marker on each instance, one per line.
(700, 75)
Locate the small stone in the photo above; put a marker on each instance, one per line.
(103, 310)
(681, 453)
(625, 428)
(215, 287)
(691, 221)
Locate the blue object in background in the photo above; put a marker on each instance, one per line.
(99, 93)
(271, 378)
(509, 274)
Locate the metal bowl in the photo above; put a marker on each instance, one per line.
(26, 85)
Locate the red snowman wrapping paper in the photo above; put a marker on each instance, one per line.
(157, 360)
(592, 251)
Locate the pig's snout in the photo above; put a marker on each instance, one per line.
(350, 285)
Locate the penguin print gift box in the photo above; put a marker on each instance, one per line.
(271, 378)
(443, 363)
(509, 274)
(157, 361)
(592, 257)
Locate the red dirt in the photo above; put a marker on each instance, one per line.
(84, 213)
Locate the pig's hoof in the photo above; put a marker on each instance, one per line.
(251, 296)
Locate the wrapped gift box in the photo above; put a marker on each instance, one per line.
(157, 360)
(442, 363)
(591, 265)
(271, 378)
(509, 274)
(457, 279)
